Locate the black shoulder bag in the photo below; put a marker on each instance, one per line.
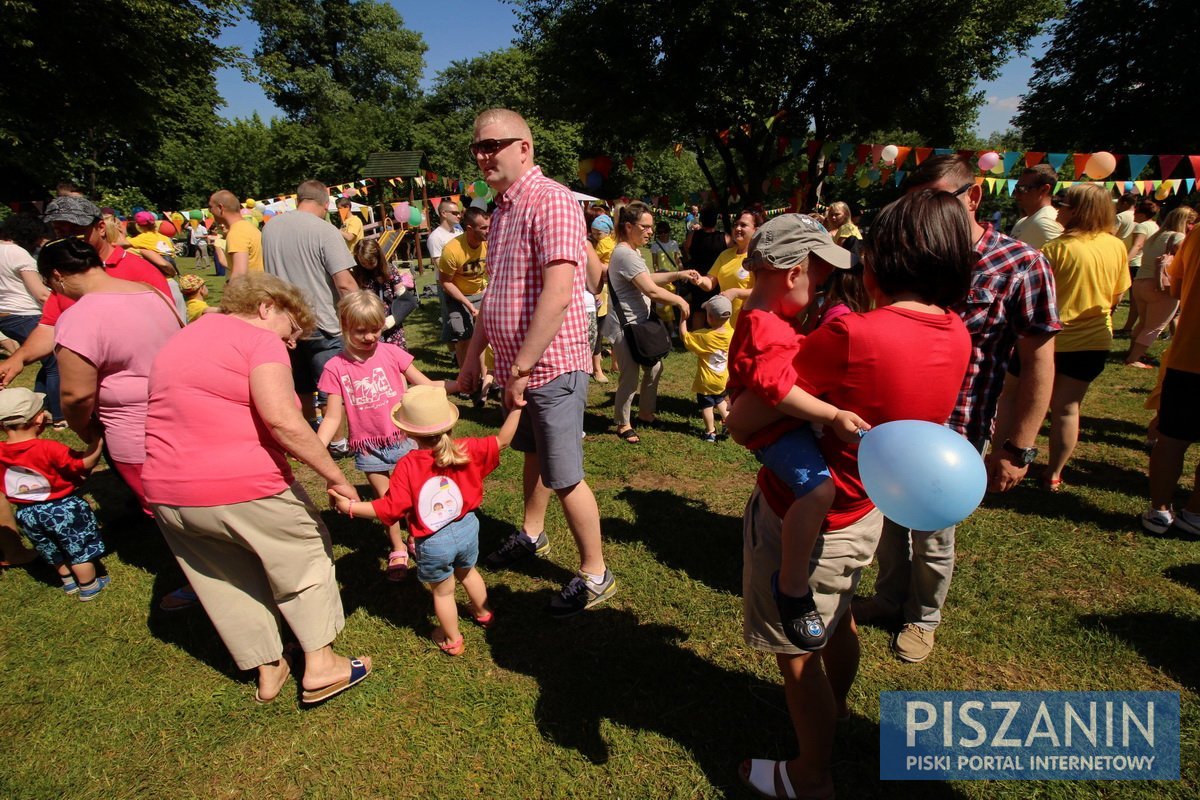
(649, 342)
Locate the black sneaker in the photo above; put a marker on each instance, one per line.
(337, 451)
(581, 594)
(802, 624)
(517, 548)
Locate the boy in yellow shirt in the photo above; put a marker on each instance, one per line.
(711, 346)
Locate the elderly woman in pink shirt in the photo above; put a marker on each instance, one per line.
(242, 528)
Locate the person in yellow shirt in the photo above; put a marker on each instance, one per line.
(352, 224)
(711, 346)
(1091, 271)
(462, 273)
(150, 243)
(729, 275)
(194, 291)
(243, 241)
(600, 234)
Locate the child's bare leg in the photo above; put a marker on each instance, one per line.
(723, 410)
(84, 573)
(472, 581)
(379, 482)
(710, 426)
(801, 525)
(446, 609)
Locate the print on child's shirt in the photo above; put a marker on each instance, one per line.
(22, 483)
(718, 361)
(439, 502)
(370, 391)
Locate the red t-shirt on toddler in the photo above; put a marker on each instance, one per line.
(762, 353)
(431, 497)
(888, 364)
(38, 470)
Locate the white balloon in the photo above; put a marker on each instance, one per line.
(889, 153)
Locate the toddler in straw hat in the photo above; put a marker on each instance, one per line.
(437, 488)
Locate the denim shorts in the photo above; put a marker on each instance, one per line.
(63, 530)
(455, 546)
(796, 460)
(711, 400)
(372, 459)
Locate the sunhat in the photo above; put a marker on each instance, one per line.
(20, 405)
(425, 411)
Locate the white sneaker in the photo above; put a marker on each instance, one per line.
(1156, 521)
(1188, 521)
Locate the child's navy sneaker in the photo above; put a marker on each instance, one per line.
(710, 437)
(94, 588)
(802, 624)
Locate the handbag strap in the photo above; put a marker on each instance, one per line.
(670, 258)
(170, 303)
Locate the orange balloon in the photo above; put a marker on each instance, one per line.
(1100, 165)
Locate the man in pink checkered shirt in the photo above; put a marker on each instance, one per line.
(533, 316)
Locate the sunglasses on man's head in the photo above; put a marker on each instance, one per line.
(489, 147)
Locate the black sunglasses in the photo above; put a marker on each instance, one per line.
(489, 147)
(962, 189)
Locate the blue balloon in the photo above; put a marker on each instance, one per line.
(920, 475)
(595, 180)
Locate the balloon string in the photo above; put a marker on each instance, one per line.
(861, 433)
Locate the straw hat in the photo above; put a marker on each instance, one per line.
(425, 411)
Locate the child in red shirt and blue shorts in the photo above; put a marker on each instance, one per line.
(41, 477)
(789, 255)
(437, 488)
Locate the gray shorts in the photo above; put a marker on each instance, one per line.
(310, 356)
(459, 324)
(552, 426)
(837, 563)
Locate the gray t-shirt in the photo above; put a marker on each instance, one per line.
(308, 251)
(625, 265)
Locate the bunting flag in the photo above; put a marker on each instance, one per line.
(1195, 165)
(942, 151)
(1033, 158)
(1011, 185)
(844, 151)
(899, 176)
(1081, 160)
(1010, 160)
(901, 156)
(1189, 182)
(922, 154)
(1056, 160)
(991, 184)
(1137, 163)
(629, 164)
(1167, 164)
(812, 148)
(877, 152)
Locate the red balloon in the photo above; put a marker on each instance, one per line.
(167, 229)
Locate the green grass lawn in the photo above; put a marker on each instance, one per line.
(651, 695)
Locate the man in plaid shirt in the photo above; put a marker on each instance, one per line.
(1009, 312)
(533, 316)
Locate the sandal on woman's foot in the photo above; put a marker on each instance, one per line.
(358, 673)
(629, 435)
(397, 566)
(181, 599)
(485, 619)
(1052, 484)
(770, 779)
(287, 671)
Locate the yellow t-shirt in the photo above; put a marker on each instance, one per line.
(604, 250)
(243, 237)
(153, 241)
(466, 266)
(353, 226)
(1184, 352)
(196, 308)
(846, 231)
(1090, 272)
(711, 347)
(730, 272)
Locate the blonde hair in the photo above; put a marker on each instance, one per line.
(1091, 210)
(361, 308)
(244, 294)
(446, 451)
(112, 229)
(1178, 219)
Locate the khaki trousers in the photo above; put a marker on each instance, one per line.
(250, 563)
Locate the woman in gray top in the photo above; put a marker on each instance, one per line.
(635, 290)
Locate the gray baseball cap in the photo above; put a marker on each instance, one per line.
(75, 210)
(719, 305)
(19, 405)
(786, 240)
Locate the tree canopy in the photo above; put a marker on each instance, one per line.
(1118, 75)
(729, 78)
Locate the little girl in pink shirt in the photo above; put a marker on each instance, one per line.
(364, 382)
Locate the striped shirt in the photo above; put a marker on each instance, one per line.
(1011, 295)
(536, 223)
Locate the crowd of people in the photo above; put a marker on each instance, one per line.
(801, 327)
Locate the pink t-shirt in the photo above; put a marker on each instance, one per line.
(369, 390)
(205, 443)
(120, 334)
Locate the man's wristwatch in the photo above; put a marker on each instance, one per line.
(1023, 455)
(517, 372)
